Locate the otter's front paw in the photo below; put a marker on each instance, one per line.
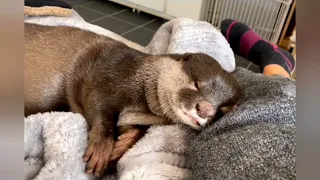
(125, 142)
(97, 155)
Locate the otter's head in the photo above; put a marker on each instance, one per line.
(191, 88)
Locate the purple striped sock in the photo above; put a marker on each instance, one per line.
(248, 44)
(248, 39)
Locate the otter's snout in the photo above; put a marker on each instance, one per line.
(205, 109)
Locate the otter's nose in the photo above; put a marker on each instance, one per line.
(205, 109)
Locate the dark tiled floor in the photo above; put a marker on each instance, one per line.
(86, 14)
(137, 27)
(140, 36)
(105, 7)
(114, 25)
(135, 18)
(156, 24)
(74, 3)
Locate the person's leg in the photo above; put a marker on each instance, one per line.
(271, 59)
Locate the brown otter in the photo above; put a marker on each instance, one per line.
(105, 80)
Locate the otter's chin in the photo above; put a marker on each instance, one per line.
(191, 118)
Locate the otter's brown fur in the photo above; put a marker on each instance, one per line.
(75, 70)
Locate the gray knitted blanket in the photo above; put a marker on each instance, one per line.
(258, 140)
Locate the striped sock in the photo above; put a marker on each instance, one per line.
(248, 44)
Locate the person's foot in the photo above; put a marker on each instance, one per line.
(248, 44)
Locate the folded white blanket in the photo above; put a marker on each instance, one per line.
(55, 142)
(161, 154)
(182, 35)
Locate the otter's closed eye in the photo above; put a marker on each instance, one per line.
(199, 85)
(196, 84)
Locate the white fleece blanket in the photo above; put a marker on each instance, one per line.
(55, 142)
(182, 35)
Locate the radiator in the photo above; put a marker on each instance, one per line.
(265, 17)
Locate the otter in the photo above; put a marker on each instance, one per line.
(70, 69)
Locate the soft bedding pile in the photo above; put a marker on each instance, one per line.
(259, 137)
